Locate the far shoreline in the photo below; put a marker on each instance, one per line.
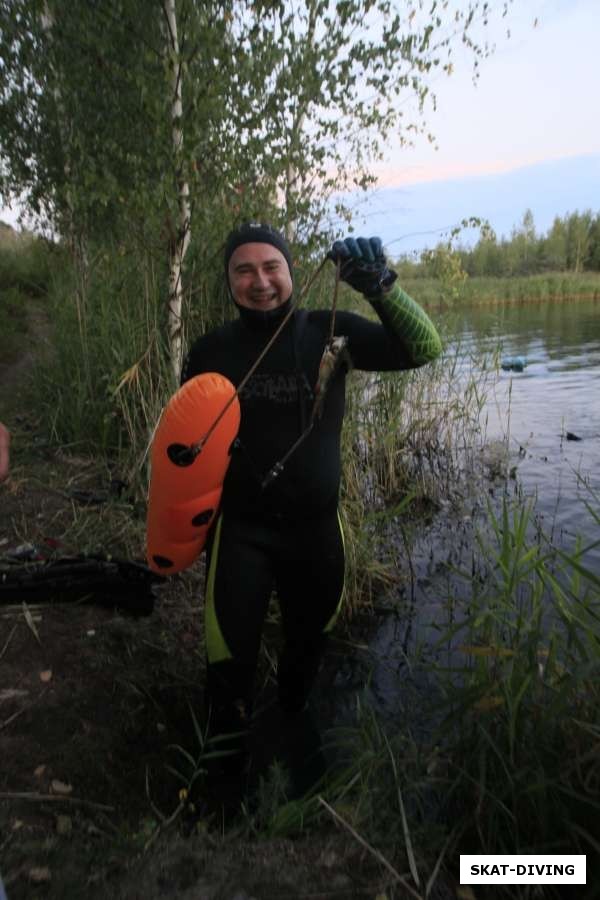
(551, 287)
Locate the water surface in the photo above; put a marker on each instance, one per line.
(556, 397)
(558, 392)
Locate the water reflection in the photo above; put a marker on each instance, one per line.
(557, 393)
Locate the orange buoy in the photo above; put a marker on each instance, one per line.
(185, 488)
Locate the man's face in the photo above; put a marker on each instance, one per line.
(259, 276)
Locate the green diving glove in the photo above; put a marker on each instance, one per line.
(363, 265)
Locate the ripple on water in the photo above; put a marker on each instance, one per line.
(558, 392)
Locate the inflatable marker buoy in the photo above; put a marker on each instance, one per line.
(513, 363)
(185, 488)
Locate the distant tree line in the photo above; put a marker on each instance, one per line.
(572, 244)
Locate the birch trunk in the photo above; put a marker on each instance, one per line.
(292, 176)
(178, 247)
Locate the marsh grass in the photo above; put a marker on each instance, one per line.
(108, 376)
(26, 263)
(514, 765)
(522, 697)
(477, 290)
(192, 763)
(410, 442)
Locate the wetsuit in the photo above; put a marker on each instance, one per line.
(287, 536)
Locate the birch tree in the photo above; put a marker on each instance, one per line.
(323, 87)
(77, 120)
(184, 113)
(182, 238)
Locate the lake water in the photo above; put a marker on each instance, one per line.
(557, 392)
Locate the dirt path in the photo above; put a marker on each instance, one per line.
(95, 706)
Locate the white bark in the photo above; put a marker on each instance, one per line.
(292, 181)
(47, 22)
(178, 247)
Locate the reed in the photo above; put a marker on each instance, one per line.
(409, 442)
(26, 264)
(107, 378)
(483, 290)
(514, 765)
(522, 702)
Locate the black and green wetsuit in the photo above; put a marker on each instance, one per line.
(287, 535)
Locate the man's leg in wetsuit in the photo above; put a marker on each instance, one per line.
(238, 588)
(310, 582)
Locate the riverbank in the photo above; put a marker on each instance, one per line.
(493, 711)
(98, 709)
(97, 715)
(475, 291)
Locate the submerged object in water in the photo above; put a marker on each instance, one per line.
(187, 474)
(573, 437)
(513, 363)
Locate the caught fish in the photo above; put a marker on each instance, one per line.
(334, 357)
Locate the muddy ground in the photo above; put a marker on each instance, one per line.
(92, 702)
(95, 710)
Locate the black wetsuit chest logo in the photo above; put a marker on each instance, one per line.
(280, 388)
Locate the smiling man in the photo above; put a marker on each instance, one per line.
(259, 276)
(283, 532)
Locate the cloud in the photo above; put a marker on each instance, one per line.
(396, 176)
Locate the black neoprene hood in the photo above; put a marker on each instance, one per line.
(256, 233)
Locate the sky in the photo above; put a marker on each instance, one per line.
(527, 135)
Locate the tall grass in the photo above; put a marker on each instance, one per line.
(478, 290)
(409, 442)
(514, 765)
(523, 705)
(25, 265)
(108, 376)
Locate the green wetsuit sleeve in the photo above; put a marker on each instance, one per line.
(406, 322)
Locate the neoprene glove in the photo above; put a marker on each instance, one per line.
(363, 265)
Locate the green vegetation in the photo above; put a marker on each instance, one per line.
(522, 697)
(512, 765)
(24, 274)
(572, 244)
(480, 290)
(563, 264)
(107, 379)
(226, 112)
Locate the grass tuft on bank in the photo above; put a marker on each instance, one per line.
(486, 290)
(514, 765)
